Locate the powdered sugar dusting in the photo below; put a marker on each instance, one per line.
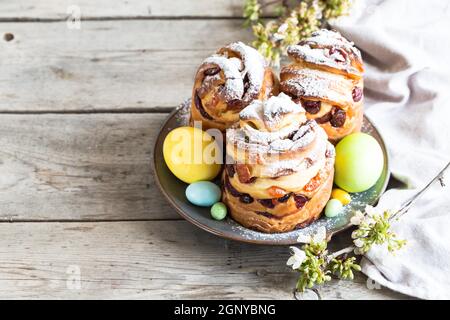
(277, 107)
(254, 67)
(332, 225)
(234, 85)
(250, 68)
(230, 229)
(327, 48)
(318, 84)
(327, 38)
(270, 127)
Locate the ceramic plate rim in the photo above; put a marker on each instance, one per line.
(234, 236)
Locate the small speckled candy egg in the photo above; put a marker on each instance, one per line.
(359, 162)
(219, 211)
(341, 195)
(203, 193)
(333, 208)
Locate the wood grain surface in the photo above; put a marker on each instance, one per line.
(79, 167)
(126, 9)
(106, 65)
(80, 215)
(157, 260)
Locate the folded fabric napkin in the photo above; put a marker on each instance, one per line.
(405, 45)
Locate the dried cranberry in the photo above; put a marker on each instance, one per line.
(246, 83)
(243, 173)
(324, 119)
(338, 117)
(329, 153)
(211, 71)
(309, 162)
(284, 198)
(252, 179)
(265, 214)
(231, 189)
(312, 107)
(230, 170)
(235, 104)
(268, 203)
(292, 134)
(341, 52)
(199, 105)
(357, 94)
(300, 200)
(246, 198)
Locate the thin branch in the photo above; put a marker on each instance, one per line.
(341, 252)
(407, 205)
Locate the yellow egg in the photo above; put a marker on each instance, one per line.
(192, 154)
(341, 195)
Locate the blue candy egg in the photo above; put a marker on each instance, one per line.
(203, 193)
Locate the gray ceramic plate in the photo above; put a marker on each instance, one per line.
(174, 190)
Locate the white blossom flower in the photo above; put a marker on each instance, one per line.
(358, 243)
(371, 211)
(297, 258)
(280, 34)
(357, 234)
(283, 28)
(357, 218)
(320, 235)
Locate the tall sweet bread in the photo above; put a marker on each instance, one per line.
(280, 167)
(326, 76)
(227, 82)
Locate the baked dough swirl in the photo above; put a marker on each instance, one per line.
(227, 82)
(279, 171)
(326, 76)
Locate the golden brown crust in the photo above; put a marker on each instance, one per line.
(325, 77)
(284, 216)
(227, 82)
(281, 170)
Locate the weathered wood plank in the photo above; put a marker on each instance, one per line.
(159, 260)
(96, 167)
(79, 167)
(57, 9)
(106, 65)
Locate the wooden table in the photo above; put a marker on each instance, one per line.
(80, 108)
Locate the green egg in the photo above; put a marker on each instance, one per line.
(359, 162)
(333, 208)
(219, 211)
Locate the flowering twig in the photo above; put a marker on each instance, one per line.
(407, 205)
(316, 265)
(296, 20)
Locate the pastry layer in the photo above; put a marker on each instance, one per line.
(227, 82)
(325, 77)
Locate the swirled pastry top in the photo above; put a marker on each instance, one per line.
(227, 82)
(329, 49)
(243, 68)
(274, 139)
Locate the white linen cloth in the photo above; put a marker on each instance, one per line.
(406, 48)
